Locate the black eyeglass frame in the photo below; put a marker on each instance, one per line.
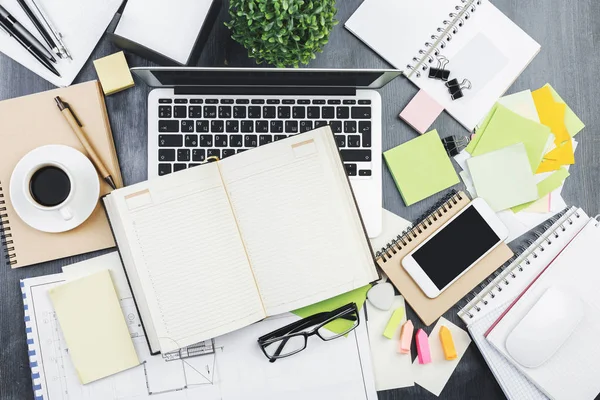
(284, 334)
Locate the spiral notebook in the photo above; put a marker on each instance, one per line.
(389, 260)
(22, 244)
(498, 292)
(481, 43)
(215, 248)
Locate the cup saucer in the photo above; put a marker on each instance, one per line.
(83, 200)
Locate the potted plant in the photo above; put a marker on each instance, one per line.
(282, 32)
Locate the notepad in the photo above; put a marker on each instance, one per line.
(421, 167)
(506, 128)
(421, 111)
(503, 177)
(92, 322)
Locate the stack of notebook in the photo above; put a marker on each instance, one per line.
(562, 260)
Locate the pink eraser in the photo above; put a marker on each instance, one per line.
(423, 347)
(421, 111)
(406, 335)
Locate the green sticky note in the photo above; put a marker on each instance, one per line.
(573, 123)
(421, 167)
(506, 128)
(392, 325)
(546, 186)
(480, 130)
(357, 296)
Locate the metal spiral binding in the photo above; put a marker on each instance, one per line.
(5, 235)
(425, 220)
(445, 31)
(506, 276)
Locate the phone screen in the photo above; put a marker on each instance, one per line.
(453, 249)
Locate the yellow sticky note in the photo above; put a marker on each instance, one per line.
(113, 73)
(447, 343)
(572, 122)
(94, 327)
(552, 114)
(392, 325)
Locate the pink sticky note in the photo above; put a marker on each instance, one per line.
(421, 111)
(406, 335)
(423, 347)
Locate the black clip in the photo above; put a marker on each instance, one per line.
(440, 72)
(456, 89)
(455, 144)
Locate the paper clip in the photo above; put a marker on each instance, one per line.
(456, 89)
(455, 144)
(440, 72)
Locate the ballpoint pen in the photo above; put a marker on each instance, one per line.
(40, 27)
(62, 48)
(76, 126)
(10, 25)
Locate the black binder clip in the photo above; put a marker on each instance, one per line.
(455, 144)
(440, 72)
(456, 89)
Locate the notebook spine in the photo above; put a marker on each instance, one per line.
(494, 284)
(425, 220)
(31, 349)
(443, 35)
(6, 238)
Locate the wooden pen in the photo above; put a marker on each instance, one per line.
(76, 126)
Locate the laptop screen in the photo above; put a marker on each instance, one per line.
(267, 77)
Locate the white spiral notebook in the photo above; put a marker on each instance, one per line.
(481, 43)
(506, 285)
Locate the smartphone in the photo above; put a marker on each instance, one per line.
(454, 248)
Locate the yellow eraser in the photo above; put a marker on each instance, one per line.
(447, 343)
(113, 73)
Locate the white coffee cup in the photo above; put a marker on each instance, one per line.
(63, 208)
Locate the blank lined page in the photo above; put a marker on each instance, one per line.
(189, 254)
(298, 221)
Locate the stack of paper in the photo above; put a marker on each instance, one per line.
(534, 127)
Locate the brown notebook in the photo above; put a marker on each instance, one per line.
(389, 259)
(32, 121)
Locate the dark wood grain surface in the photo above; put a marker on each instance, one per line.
(568, 32)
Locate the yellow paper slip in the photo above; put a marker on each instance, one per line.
(546, 186)
(552, 114)
(94, 328)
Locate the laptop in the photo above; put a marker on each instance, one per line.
(196, 113)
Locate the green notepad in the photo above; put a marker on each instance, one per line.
(421, 167)
(506, 128)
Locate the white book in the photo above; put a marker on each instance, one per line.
(218, 247)
(480, 42)
(550, 333)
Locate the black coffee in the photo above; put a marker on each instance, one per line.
(50, 186)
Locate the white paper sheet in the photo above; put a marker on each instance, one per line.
(81, 22)
(434, 376)
(392, 369)
(232, 367)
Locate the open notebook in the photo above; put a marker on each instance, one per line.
(215, 248)
(481, 43)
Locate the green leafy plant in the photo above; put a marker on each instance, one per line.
(282, 32)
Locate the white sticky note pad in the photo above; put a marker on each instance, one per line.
(504, 177)
(392, 369)
(434, 376)
(94, 327)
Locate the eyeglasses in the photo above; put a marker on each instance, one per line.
(292, 338)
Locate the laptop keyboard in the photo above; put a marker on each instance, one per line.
(191, 130)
